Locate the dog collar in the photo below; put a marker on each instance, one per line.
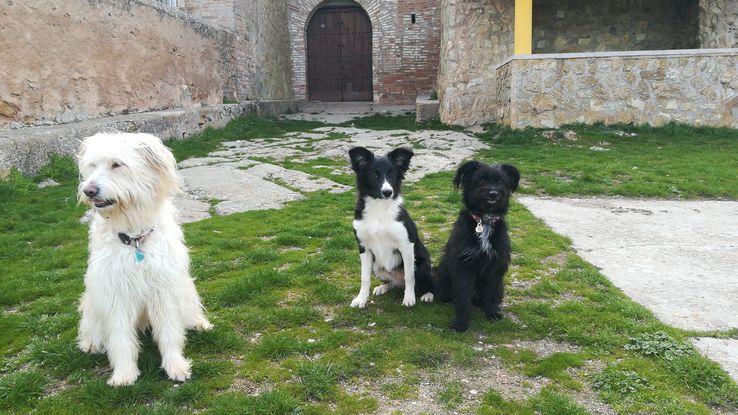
(136, 242)
(485, 220)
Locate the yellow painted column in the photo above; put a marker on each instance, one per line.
(523, 27)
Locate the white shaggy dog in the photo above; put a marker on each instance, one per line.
(138, 270)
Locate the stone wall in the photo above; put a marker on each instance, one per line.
(696, 87)
(404, 54)
(561, 26)
(477, 36)
(65, 60)
(718, 23)
(261, 44)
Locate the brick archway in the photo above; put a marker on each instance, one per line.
(383, 28)
(339, 53)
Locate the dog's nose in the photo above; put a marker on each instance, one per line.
(494, 195)
(91, 190)
(387, 193)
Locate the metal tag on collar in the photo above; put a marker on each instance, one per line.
(138, 253)
(479, 227)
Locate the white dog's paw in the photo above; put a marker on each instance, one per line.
(359, 301)
(409, 300)
(178, 368)
(202, 325)
(427, 298)
(88, 346)
(382, 289)
(123, 377)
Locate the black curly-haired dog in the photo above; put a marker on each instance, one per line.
(477, 254)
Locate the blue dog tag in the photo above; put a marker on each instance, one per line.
(138, 254)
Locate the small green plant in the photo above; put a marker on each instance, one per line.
(434, 95)
(658, 344)
(620, 382)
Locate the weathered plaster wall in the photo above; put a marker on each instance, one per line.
(477, 36)
(561, 26)
(698, 87)
(65, 60)
(261, 44)
(404, 54)
(718, 23)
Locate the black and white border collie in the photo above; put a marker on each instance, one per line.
(477, 254)
(389, 244)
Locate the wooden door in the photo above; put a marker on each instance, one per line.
(339, 58)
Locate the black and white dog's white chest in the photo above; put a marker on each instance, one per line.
(380, 232)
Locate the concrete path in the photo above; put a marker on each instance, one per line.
(677, 258)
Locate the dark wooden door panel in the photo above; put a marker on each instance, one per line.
(339, 55)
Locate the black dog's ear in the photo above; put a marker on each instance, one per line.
(465, 170)
(400, 157)
(513, 173)
(360, 158)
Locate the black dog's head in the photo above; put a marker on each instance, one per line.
(380, 177)
(487, 188)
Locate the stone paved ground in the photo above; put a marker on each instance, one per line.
(230, 180)
(677, 258)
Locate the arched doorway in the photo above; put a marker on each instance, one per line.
(339, 54)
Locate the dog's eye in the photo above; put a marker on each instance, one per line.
(376, 174)
(115, 165)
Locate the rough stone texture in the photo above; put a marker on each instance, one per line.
(610, 25)
(261, 44)
(404, 54)
(677, 258)
(426, 109)
(240, 183)
(718, 23)
(30, 148)
(435, 151)
(723, 351)
(68, 60)
(477, 36)
(340, 112)
(695, 87)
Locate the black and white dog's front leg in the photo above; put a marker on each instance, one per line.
(367, 260)
(408, 259)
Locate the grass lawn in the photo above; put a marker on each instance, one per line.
(277, 285)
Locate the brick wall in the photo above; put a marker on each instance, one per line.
(404, 54)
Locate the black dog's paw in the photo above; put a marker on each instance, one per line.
(459, 326)
(494, 315)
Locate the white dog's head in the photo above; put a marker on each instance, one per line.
(125, 173)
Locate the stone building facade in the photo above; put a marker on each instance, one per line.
(679, 62)
(62, 61)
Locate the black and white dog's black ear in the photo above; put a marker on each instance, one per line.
(466, 170)
(360, 158)
(400, 157)
(513, 174)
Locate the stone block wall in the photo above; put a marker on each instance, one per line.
(261, 44)
(404, 54)
(561, 26)
(695, 87)
(66, 60)
(718, 23)
(477, 37)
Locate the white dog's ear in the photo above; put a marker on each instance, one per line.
(160, 160)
